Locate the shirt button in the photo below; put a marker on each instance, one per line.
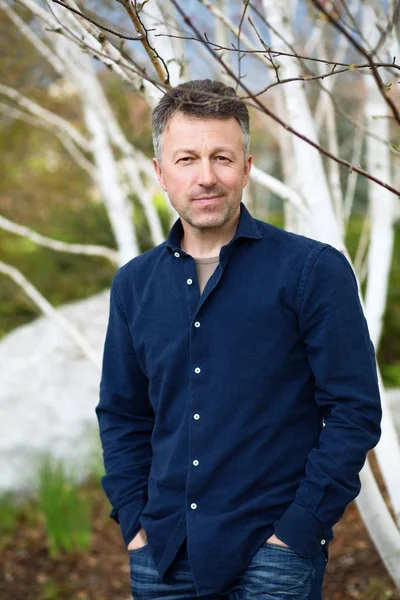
(196, 416)
(197, 370)
(195, 462)
(323, 542)
(189, 281)
(177, 254)
(193, 505)
(197, 324)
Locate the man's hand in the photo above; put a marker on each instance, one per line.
(139, 540)
(275, 540)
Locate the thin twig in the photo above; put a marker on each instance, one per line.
(156, 60)
(240, 55)
(292, 79)
(276, 54)
(137, 38)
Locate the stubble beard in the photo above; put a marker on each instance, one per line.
(212, 219)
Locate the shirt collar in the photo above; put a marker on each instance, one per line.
(247, 228)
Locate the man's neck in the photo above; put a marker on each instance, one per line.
(206, 243)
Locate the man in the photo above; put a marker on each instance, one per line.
(239, 394)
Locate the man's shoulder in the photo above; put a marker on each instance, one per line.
(140, 266)
(288, 240)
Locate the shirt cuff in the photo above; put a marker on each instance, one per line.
(128, 517)
(302, 532)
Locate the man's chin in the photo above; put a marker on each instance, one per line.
(207, 223)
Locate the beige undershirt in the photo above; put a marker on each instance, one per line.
(205, 267)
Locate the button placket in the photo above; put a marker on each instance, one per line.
(196, 367)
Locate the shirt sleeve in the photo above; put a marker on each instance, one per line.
(126, 421)
(342, 359)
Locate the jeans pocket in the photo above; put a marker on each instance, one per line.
(280, 572)
(283, 548)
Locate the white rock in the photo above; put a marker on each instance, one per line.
(48, 394)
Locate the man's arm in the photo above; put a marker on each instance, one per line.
(342, 359)
(126, 421)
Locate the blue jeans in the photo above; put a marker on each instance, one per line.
(274, 573)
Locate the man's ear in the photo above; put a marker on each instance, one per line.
(247, 168)
(159, 174)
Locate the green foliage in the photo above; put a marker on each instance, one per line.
(9, 514)
(66, 510)
(391, 374)
(389, 351)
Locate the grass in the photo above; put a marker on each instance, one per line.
(9, 514)
(66, 509)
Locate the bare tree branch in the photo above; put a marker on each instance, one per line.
(156, 60)
(113, 31)
(281, 190)
(275, 53)
(97, 46)
(42, 240)
(55, 121)
(72, 149)
(44, 305)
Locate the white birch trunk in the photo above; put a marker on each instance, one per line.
(380, 525)
(221, 38)
(382, 210)
(382, 202)
(118, 207)
(315, 189)
(311, 181)
(292, 221)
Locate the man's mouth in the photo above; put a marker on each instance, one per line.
(206, 198)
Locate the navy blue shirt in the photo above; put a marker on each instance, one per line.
(245, 411)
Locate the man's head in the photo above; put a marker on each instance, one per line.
(201, 143)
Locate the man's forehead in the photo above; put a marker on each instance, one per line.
(186, 122)
(187, 131)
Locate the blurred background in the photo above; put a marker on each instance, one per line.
(78, 198)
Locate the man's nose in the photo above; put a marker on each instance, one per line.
(207, 177)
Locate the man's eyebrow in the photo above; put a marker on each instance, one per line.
(217, 150)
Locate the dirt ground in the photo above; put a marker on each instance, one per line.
(354, 570)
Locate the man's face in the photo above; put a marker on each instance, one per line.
(203, 169)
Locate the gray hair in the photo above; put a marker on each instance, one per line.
(201, 99)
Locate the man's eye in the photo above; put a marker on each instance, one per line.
(222, 158)
(185, 159)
